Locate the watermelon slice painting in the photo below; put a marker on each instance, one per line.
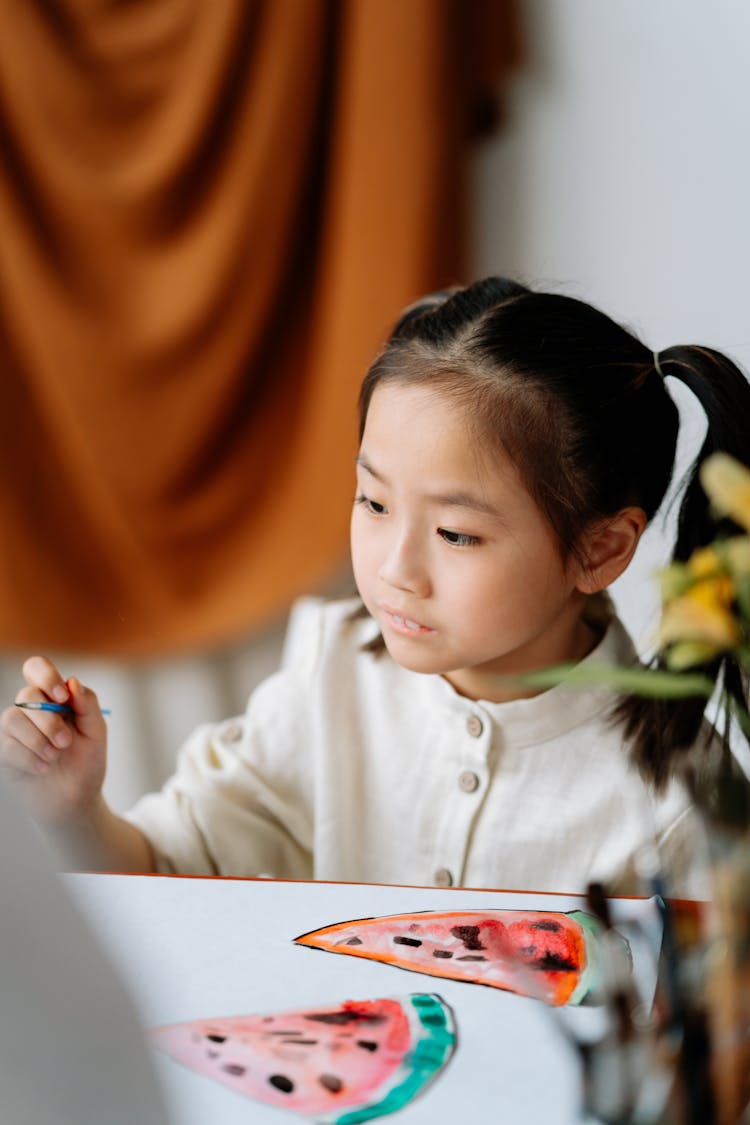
(341, 1064)
(555, 957)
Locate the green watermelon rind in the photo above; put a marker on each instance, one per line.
(425, 1059)
(590, 982)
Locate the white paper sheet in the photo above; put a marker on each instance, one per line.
(201, 948)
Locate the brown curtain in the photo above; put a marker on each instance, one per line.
(210, 212)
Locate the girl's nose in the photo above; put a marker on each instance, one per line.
(403, 569)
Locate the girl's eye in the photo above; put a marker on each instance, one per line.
(457, 538)
(371, 506)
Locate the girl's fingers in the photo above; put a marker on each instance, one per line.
(17, 728)
(38, 731)
(53, 726)
(87, 714)
(21, 762)
(41, 673)
(25, 748)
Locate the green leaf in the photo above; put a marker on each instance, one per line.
(742, 593)
(650, 682)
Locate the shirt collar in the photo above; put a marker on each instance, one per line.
(553, 712)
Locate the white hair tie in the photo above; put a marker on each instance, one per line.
(657, 365)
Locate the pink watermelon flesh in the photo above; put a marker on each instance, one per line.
(341, 1064)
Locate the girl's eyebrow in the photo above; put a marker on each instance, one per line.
(444, 499)
(360, 459)
(465, 500)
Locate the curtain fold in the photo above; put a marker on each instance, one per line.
(209, 215)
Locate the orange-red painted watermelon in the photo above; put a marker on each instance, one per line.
(341, 1064)
(555, 957)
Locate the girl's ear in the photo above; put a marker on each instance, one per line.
(609, 548)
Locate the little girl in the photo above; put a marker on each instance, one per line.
(514, 445)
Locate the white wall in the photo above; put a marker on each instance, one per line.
(622, 176)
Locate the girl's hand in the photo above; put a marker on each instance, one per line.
(59, 761)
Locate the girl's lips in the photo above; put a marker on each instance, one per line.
(405, 625)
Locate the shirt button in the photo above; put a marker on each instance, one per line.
(232, 733)
(468, 781)
(474, 726)
(443, 877)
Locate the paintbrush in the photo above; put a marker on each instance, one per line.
(57, 708)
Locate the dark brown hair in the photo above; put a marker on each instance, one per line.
(577, 402)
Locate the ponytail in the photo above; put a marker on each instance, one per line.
(662, 731)
(724, 393)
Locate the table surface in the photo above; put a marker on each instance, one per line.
(194, 948)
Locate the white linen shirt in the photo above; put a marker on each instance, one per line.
(347, 767)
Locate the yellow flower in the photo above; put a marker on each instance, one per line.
(727, 484)
(702, 615)
(704, 563)
(679, 577)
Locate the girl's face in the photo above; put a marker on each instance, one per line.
(451, 555)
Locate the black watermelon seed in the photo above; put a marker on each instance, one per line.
(334, 1017)
(407, 941)
(331, 1082)
(553, 927)
(354, 941)
(555, 962)
(471, 957)
(441, 953)
(235, 1069)
(367, 1044)
(345, 1017)
(281, 1082)
(217, 1038)
(469, 935)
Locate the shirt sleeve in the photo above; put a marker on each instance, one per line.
(241, 798)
